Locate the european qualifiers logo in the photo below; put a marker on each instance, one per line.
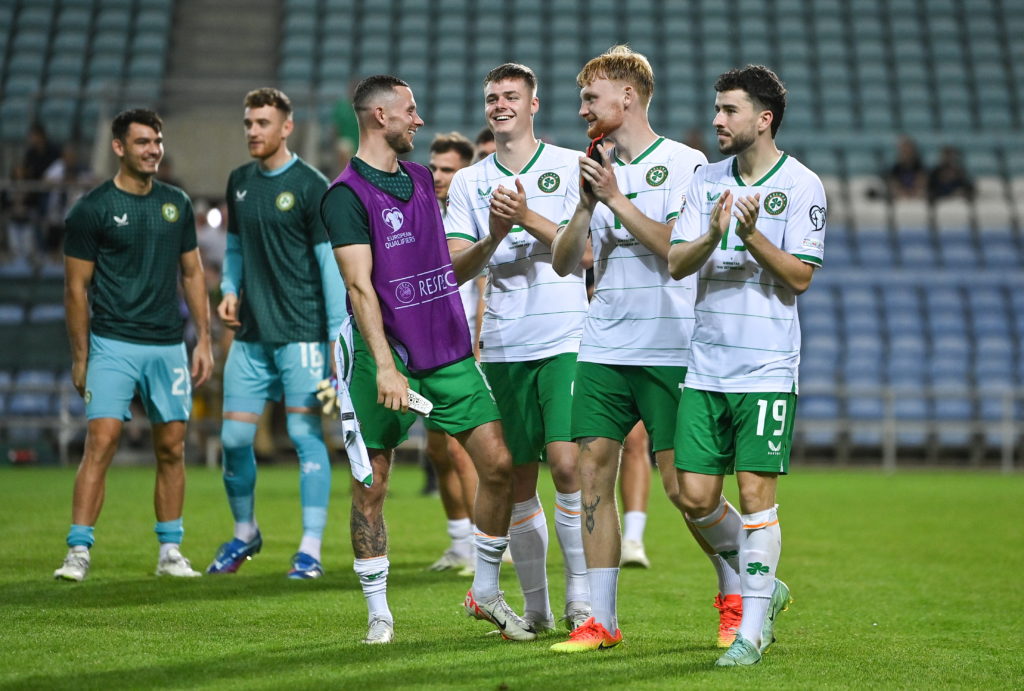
(285, 201)
(548, 182)
(775, 203)
(656, 176)
(818, 215)
(169, 212)
(394, 219)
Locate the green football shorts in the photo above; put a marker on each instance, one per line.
(460, 394)
(535, 400)
(720, 433)
(609, 400)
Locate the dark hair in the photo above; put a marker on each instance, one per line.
(371, 87)
(512, 70)
(763, 86)
(452, 141)
(143, 116)
(268, 96)
(485, 135)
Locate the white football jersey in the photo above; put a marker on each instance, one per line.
(747, 334)
(532, 312)
(639, 314)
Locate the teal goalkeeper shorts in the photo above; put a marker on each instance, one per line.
(258, 372)
(117, 369)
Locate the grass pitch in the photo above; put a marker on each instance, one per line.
(911, 580)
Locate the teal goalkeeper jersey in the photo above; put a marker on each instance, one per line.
(276, 219)
(136, 243)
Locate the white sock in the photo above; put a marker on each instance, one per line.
(570, 538)
(488, 564)
(246, 531)
(722, 529)
(528, 542)
(78, 549)
(311, 546)
(166, 547)
(373, 577)
(633, 524)
(728, 579)
(604, 586)
(461, 533)
(760, 548)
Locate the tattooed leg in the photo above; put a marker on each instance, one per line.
(599, 466)
(368, 530)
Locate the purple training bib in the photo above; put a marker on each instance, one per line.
(412, 271)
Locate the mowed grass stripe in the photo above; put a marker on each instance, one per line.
(902, 580)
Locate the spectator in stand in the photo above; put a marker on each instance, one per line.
(949, 178)
(69, 178)
(907, 178)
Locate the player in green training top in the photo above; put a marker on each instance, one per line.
(283, 294)
(125, 241)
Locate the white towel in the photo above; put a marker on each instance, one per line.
(344, 358)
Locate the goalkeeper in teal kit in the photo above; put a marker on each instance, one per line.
(283, 295)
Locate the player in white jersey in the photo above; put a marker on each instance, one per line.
(503, 213)
(636, 337)
(753, 231)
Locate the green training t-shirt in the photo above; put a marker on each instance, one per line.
(136, 243)
(344, 215)
(276, 218)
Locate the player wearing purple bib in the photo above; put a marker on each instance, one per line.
(388, 238)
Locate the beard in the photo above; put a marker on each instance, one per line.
(737, 143)
(604, 125)
(398, 142)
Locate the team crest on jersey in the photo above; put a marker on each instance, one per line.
(657, 175)
(169, 212)
(285, 201)
(818, 215)
(775, 203)
(549, 182)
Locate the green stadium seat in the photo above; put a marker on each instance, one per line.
(113, 20)
(295, 68)
(299, 46)
(154, 21)
(146, 67)
(71, 41)
(110, 42)
(149, 44)
(34, 18)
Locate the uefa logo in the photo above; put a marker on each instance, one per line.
(405, 292)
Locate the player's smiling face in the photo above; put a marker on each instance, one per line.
(141, 150)
(509, 106)
(266, 129)
(602, 106)
(401, 120)
(736, 121)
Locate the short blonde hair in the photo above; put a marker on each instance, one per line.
(620, 63)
